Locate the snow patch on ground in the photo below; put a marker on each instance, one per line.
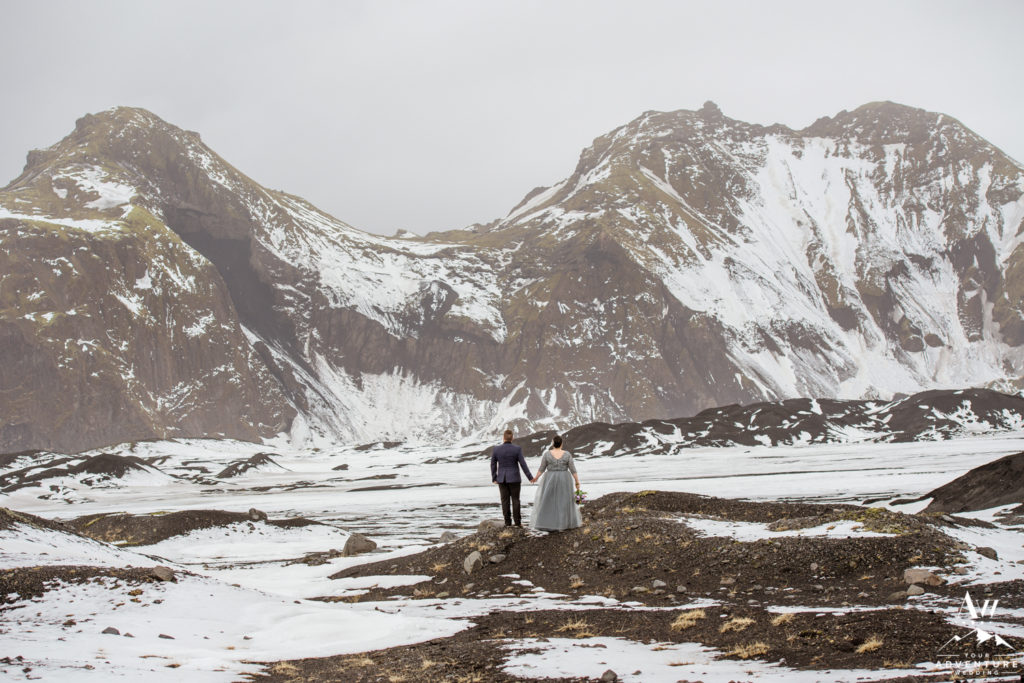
(248, 542)
(216, 631)
(23, 545)
(653, 663)
(754, 531)
(112, 193)
(91, 225)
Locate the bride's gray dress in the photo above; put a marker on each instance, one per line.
(554, 507)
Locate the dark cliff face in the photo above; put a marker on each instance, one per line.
(150, 289)
(113, 328)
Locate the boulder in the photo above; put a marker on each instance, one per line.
(473, 562)
(357, 543)
(922, 576)
(162, 573)
(985, 551)
(111, 631)
(915, 590)
(257, 515)
(658, 583)
(609, 676)
(489, 524)
(898, 596)
(496, 558)
(448, 537)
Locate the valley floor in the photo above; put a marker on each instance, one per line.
(784, 575)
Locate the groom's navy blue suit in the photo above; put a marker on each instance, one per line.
(506, 460)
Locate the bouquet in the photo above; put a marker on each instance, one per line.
(581, 497)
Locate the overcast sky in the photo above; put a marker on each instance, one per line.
(435, 115)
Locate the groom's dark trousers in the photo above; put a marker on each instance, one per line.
(510, 492)
(506, 460)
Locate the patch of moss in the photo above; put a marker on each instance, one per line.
(877, 519)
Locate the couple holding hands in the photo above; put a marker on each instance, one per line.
(554, 507)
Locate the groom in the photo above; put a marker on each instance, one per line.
(506, 460)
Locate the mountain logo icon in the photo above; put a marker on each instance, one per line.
(970, 612)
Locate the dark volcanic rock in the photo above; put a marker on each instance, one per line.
(260, 461)
(1000, 482)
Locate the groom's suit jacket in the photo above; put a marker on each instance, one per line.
(506, 460)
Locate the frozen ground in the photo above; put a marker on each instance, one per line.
(247, 602)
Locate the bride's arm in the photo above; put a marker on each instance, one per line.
(540, 470)
(572, 468)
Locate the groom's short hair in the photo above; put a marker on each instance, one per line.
(508, 435)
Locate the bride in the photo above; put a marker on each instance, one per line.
(554, 508)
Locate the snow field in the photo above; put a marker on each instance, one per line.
(267, 615)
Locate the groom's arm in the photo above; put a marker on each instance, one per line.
(494, 468)
(522, 463)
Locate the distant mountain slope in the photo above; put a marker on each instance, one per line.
(928, 416)
(149, 289)
(698, 260)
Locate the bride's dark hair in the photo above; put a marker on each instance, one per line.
(557, 441)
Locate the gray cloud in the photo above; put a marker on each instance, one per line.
(433, 115)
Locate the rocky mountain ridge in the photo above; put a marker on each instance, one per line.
(151, 290)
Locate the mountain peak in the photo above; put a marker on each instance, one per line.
(122, 115)
(115, 135)
(881, 122)
(711, 111)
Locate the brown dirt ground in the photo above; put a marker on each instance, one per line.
(130, 530)
(30, 582)
(629, 540)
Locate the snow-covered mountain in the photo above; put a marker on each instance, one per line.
(149, 289)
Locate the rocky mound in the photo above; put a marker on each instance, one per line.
(261, 462)
(20, 579)
(95, 470)
(20, 583)
(927, 415)
(672, 551)
(129, 530)
(1000, 482)
(9, 518)
(647, 547)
